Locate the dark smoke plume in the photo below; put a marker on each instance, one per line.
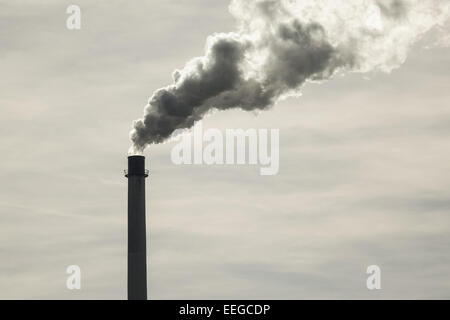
(280, 45)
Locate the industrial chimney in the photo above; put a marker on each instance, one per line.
(137, 254)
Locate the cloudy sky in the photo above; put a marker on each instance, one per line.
(364, 168)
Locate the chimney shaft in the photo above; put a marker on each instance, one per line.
(137, 254)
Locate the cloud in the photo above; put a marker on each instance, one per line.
(279, 46)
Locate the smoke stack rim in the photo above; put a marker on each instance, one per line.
(136, 166)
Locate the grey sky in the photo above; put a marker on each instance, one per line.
(364, 168)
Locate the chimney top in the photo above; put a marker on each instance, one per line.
(136, 166)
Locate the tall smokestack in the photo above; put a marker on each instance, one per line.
(137, 254)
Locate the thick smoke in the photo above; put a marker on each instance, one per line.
(281, 44)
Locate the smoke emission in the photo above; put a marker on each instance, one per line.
(281, 44)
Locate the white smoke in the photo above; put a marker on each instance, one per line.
(281, 44)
